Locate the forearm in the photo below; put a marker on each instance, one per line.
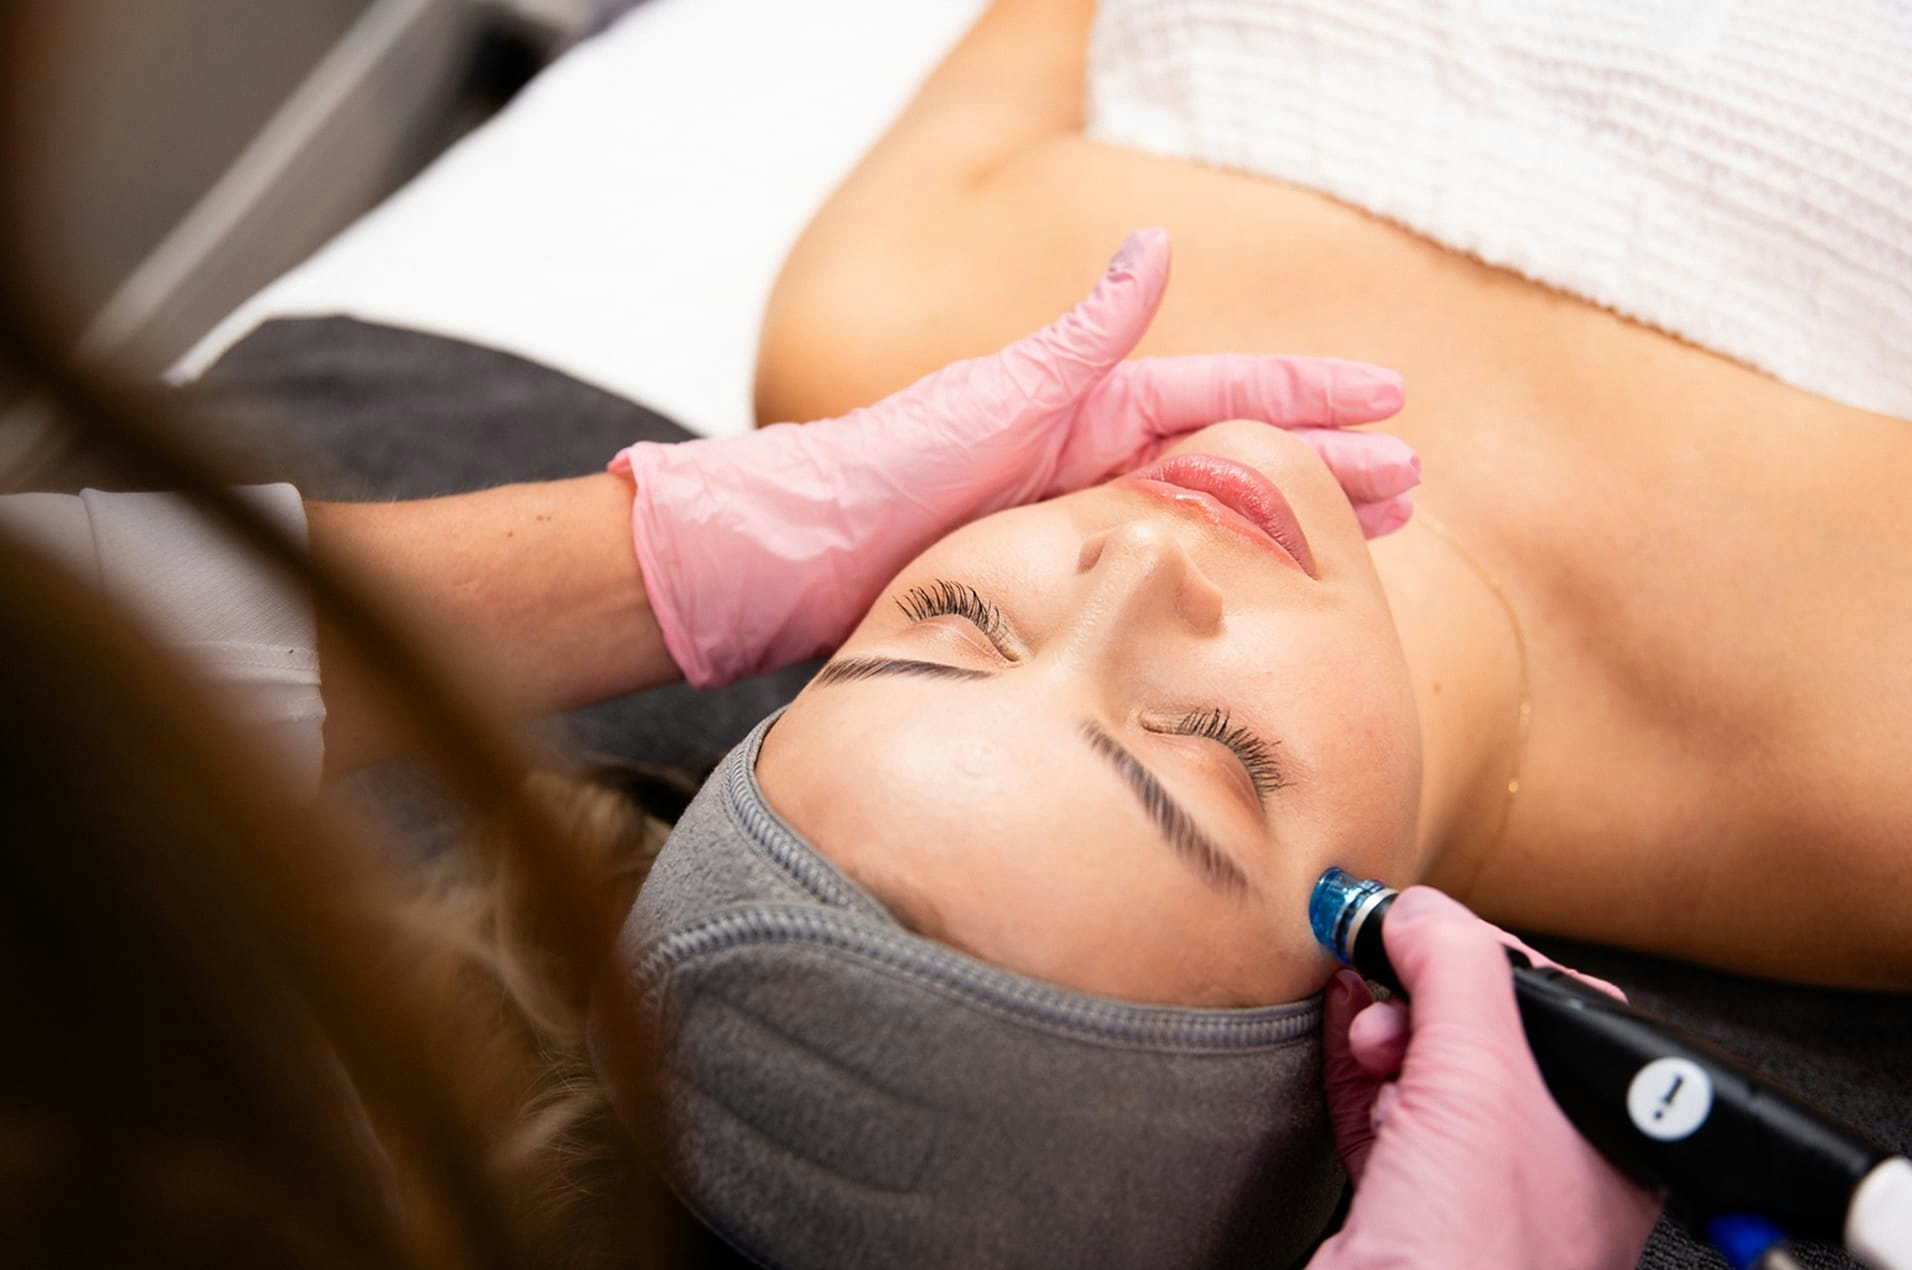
(530, 594)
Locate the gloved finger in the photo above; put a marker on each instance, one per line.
(1378, 520)
(1057, 365)
(1178, 394)
(1350, 1088)
(1453, 965)
(1378, 1038)
(1370, 467)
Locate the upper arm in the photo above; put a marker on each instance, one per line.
(1015, 81)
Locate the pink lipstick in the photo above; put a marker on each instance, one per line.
(1231, 496)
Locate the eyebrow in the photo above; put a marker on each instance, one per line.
(1171, 819)
(1174, 822)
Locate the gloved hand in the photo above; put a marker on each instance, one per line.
(1464, 1160)
(764, 549)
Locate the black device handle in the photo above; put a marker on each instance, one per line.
(1681, 1117)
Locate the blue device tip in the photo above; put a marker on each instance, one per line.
(1338, 899)
(1328, 906)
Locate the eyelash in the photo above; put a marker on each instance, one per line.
(953, 599)
(1255, 754)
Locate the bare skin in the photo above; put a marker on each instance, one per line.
(1713, 570)
(992, 803)
(529, 593)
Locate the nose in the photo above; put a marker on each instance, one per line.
(1137, 581)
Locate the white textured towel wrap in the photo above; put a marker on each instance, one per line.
(1735, 172)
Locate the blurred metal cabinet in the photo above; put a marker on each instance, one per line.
(183, 153)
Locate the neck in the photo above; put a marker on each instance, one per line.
(1465, 659)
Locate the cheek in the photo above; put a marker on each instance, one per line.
(1379, 779)
(1348, 705)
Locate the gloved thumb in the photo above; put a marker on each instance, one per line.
(1067, 358)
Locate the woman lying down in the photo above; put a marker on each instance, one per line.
(992, 948)
(994, 943)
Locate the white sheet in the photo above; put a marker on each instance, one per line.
(623, 220)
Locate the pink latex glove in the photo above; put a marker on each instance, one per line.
(765, 549)
(1463, 1159)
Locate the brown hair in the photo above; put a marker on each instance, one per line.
(242, 1030)
(240, 1027)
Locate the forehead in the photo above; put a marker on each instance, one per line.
(979, 814)
(1001, 832)
(956, 774)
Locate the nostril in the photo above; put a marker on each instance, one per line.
(1143, 566)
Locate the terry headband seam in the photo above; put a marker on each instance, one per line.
(776, 841)
(1161, 1028)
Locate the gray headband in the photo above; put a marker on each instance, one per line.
(841, 1093)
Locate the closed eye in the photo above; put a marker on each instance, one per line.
(955, 599)
(1257, 756)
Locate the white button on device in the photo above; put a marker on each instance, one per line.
(1879, 1223)
(1670, 1098)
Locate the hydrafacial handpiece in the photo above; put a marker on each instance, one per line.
(1749, 1165)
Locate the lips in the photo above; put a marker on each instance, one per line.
(1231, 496)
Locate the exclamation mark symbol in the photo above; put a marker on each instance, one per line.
(1669, 1098)
(1666, 1099)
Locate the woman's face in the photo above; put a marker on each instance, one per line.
(1110, 741)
